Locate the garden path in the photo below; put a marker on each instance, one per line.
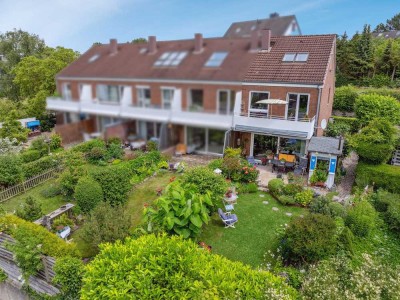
(346, 184)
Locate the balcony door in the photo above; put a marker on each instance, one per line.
(258, 109)
(226, 102)
(297, 108)
(143, 96)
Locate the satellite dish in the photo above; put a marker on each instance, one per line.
(323, 123)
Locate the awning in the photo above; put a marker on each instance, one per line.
(271, 101)
(32, 124)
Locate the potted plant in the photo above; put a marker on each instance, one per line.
(290, 177)
(269, 154)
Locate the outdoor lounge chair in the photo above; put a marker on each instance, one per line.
(302, 167)
(229, 221)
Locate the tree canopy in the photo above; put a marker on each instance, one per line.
(391, 24)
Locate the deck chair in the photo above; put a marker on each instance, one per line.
(301, 168)
(229, 221)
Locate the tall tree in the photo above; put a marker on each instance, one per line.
(391, 24)
(15, 45)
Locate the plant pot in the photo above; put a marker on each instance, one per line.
(263, 161)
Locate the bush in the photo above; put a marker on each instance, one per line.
(55, 141)
(337, 210)
(114, 140)
(345, 97)
(68, 274)
(216, 164)
(114, 151)
(395, 93)
(392, 215)
(249, 188)
(40, 145)
(203, 180)
(96, 154)
(115, 182)
(361, 219)
(231, 167)
(292, 189)
(232, 152)
(309, 239)
(106, 224)
(11, 171)
(304, 198)
(68, 180)
(52, 245)
(371, 106)
(162, 267)
(151, 146)
(275, 186)
(30, 210)
(286, 199)
(85, 147)
(323, 205)
(249, 174)
(381, 176)
(375, 142)
(51, 190)
(40, 166)
(30, 155)
(88, 194)
(342, 126)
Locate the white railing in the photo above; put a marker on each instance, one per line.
(265, 115)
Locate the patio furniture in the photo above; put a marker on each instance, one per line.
(287, 157)
(229, 220)
(180, 149)
(232, 199)
(228, 208)
(301, 168)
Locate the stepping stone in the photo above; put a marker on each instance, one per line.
(265, 202)
(262, 195)
(275, 209)
(288, 214)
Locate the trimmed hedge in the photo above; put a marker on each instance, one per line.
(361, 219)
(342, 125)
(30, 155)
(382, 176)
(85, 147)
(345, 97)
(39, 166)
(88, 194)
(11, 171)
(52, 245)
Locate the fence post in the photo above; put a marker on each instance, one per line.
(46, 270)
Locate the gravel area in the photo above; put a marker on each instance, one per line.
(346, 184)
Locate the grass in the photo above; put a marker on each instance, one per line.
(48, 204)
(255, 231)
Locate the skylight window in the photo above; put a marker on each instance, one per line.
(170, 59)
(93, 58)
(295, 57)
(216, 59)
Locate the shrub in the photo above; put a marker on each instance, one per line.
(62, 222)
(203, 180)
(275, 186)
(325, 206)
(114, 151)
(381, 176)
(106, 224)
(68, 180)
(30, 210)
(309, 239)
(304, 198)
(286, 199)
(115, 182)
(216, 164)
(30, 155)
(232, 152)
(337, 210)
(40, 145)
(55, 141)
(88, 194)
(9, 146)
(11, 171)
(85, 147)
(292, 189)
(371, 106)
(52, 245)
(375, 142)
(51, 190)
(392, 215)
(96, 154)
(345, 97)
(249, 173)
(68, 274)
(114, 140)
(361, 218)
(152, 146)
(251, 187)
(342, 126)
(3, 276)
(231, 166)
(40, 166)
(162, 267)
(181, 210)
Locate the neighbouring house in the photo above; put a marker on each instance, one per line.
(393, 34)
(263, 92)
(279, 26)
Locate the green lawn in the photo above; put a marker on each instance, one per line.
(255, 231)
(48, 204)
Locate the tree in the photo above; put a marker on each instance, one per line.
(9, 146)
(391, 24)
(69, 272)
(15, 45)
(139, 40)
(162, 267)
(31, 210)
(362, 60)
(10, 170)
(88, 194)
(106, 224)
(12, 128)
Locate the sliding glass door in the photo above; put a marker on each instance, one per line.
(297, 108)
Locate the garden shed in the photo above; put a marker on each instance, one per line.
(325, 149)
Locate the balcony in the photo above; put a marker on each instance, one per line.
(151, 113)
(274, 125)
(61, 104)
(202, 119)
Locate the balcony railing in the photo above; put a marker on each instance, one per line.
(265, 115)
(56, 103)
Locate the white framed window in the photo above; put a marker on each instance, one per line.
(216, 59)
(297, 107)
(143, 96)
(196, 101)
(255, 107)
(167, 95)
(295, 57)
(225, 101)
(66, 91)
(108, 93)
(170, 59)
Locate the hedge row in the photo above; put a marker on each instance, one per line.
(52, 245)
(39, 166)
(382, 176)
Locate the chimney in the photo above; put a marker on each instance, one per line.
(152, 45)
(254, 40)
(198, 43)
(266, 40)
(113, 46)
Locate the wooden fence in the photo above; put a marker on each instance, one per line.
(27, 184)
(41, 282)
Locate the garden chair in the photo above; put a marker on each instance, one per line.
(228, 208)
(301, 167)
(229, 220)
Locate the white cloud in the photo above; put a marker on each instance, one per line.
(57, 20)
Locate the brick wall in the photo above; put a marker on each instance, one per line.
(73, 132)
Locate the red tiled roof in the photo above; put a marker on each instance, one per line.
(269, 67)
(128, 62)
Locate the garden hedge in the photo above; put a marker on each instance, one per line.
(52, 245)
(162, 267)
(88, 194)
(40, 166)
(30, 155)
(382, 176)
(11, 171)
(344, 98)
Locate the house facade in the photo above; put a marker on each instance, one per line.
(201, 92)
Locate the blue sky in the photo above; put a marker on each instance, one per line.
(78, 23)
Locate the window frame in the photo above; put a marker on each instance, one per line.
(167, 88)
(297, 104)
(257, 110)
(143, 101)
(212, 61)
(230, 108)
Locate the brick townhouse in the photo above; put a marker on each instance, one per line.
(260, 92)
